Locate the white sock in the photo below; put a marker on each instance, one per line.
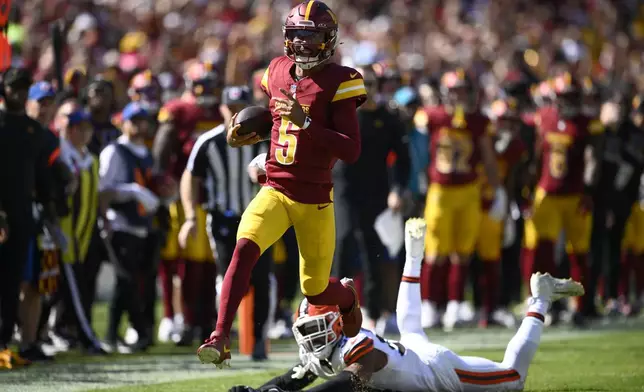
(538, 305)
(412, 267)
(408, 306)
(524, 345)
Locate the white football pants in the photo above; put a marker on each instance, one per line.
(465, 374)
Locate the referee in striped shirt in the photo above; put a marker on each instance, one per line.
(222, 171)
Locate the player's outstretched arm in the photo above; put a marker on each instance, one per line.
(355, 376)
(289, 381)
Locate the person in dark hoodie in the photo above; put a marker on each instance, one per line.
(23, 148)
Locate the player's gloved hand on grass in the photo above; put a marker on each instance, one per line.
(290, 108)
(235, 140)
(244, 388)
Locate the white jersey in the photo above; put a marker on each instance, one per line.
(404, 371)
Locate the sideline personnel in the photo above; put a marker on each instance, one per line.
(125, 179)
(22, 143)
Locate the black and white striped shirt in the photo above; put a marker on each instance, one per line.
(224, 170)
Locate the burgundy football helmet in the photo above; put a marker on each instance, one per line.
(458, 88)
(303, 26)
(569, 95)
(145, 88)
(204, 82)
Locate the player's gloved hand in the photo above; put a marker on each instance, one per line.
(242, 388)
(4, 227)
(257, 168)
(290, 108)
(509, 232)
(499, 208)
(235, 140)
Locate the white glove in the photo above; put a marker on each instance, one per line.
(500, 206)
(259, 162)
(509, 232)
(148, 199)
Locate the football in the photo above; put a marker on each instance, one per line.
(256, 119)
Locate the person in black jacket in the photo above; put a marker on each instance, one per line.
(23, 157)
(621, 167)
(41, 268)
(363, 190)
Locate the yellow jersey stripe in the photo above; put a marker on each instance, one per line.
(350, 92)
(350, 83)
(308, 10)
(349, 89)
(264, 82)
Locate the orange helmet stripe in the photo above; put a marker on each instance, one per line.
(308, 10)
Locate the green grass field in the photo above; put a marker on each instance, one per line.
(607, 358)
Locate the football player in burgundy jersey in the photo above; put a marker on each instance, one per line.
(459, 142)
(181, 122)
(313, 102)
(568, 144)
(510, 151)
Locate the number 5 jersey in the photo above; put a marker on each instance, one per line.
(300, 160)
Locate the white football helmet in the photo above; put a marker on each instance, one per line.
(317, 329)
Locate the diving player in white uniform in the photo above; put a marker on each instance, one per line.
(368, 362)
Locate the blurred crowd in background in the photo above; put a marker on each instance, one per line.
(508, 48)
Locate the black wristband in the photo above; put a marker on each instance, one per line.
(343, 382)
